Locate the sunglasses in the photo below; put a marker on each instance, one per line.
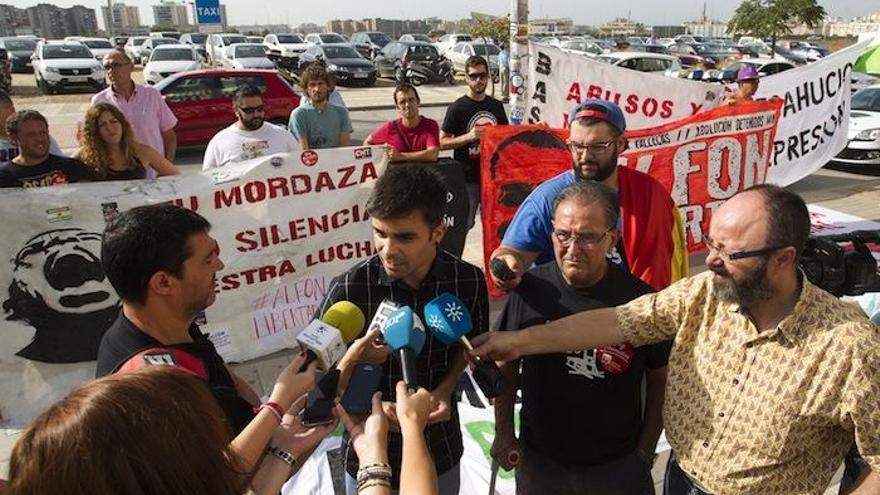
(250, 110)
(115, 65)
(477, 76)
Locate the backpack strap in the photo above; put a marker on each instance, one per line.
(165, 356)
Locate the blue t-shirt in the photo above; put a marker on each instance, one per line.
(320, 128)
(532, 225)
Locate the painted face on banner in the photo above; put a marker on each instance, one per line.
(58, 287)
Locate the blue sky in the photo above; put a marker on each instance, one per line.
(591, 12)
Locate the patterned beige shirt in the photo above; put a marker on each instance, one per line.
(771, 413)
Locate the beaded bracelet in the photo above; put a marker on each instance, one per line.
(374, 471)
(372, 483)
(282, 454)
(274, 408)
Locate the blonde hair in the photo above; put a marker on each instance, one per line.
(94, 152)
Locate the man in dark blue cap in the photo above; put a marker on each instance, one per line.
(652, 245)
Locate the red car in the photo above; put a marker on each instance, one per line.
(202, 100)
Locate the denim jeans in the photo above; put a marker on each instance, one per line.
(677, 482)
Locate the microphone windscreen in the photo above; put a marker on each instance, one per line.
(402, 332)
(448, 318)
(347, 318)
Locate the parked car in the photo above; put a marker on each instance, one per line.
(197, 41)
(133, 47)
(323, 38)
(718, 54)
(98, 46)
(764, 66)
(202, 100)
(460, 53)
(579, 47)
(688, 56)
(59, 65)
(173, 35)
(19, 51)
(859, 81)
(415, 37)
(448, 41)
(151, 44)
(285, 49)
(810, 51)
(862, 152)
(369, 43)
(648, 48)
(247, 56)
(166, 60)
(400, 57)
(643, 62)
(343, 62)
(218, 43)
(5, 71)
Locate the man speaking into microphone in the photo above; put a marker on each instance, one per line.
(406, 210)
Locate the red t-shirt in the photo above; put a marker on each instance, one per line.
(423, 136)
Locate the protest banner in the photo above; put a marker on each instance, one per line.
(701, 160)
(285, 224)
(815, 114)
(559, 81)
(812, 128)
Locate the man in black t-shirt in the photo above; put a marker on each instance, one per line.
(582, 429)
(162, 263)
(35, 166)
(466, 120)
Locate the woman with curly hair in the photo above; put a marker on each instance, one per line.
(111, 152)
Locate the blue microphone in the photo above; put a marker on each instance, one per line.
(405, 335)
(450, 322)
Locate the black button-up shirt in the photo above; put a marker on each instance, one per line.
(367, 285)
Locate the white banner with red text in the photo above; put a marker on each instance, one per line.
(285, 224)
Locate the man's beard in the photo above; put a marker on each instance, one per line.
(603, 171)
(753, 288)
(252, 124)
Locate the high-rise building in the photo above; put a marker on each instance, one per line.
(48, 21)
(171, 14)
(123, 16)
(81, 21)
(14, 21)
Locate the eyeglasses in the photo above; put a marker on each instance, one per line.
(739, 255)
(475, 76)
(250, 110)
(115, 65)
(594, 148)
(586, 241)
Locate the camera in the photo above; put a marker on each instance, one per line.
(840, 271)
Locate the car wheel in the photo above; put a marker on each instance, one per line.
(43, 87)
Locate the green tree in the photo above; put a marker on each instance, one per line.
(496, 29)
(774, 18)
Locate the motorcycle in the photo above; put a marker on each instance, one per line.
(418, 72)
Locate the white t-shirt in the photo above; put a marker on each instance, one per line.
(236, 145)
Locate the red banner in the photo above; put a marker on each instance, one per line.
(701, 160)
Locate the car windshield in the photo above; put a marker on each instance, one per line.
(198, 39)
(66, 51)
(867, 99)
(423, 50)
(138, 41)
(340, 52)
(228, 40)
(172, 54)
(97, 44)
(331, 38)
(379, 38)
(486, 49)
(290, 38)
(20, 45)
(250, 51)
(164, 41)
(421, 37)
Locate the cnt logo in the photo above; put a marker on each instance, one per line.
(361, 153)
(309, 158)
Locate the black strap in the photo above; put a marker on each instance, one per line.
(402, 136)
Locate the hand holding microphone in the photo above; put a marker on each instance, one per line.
(326, 340)
(405, 335)
(450, 322)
